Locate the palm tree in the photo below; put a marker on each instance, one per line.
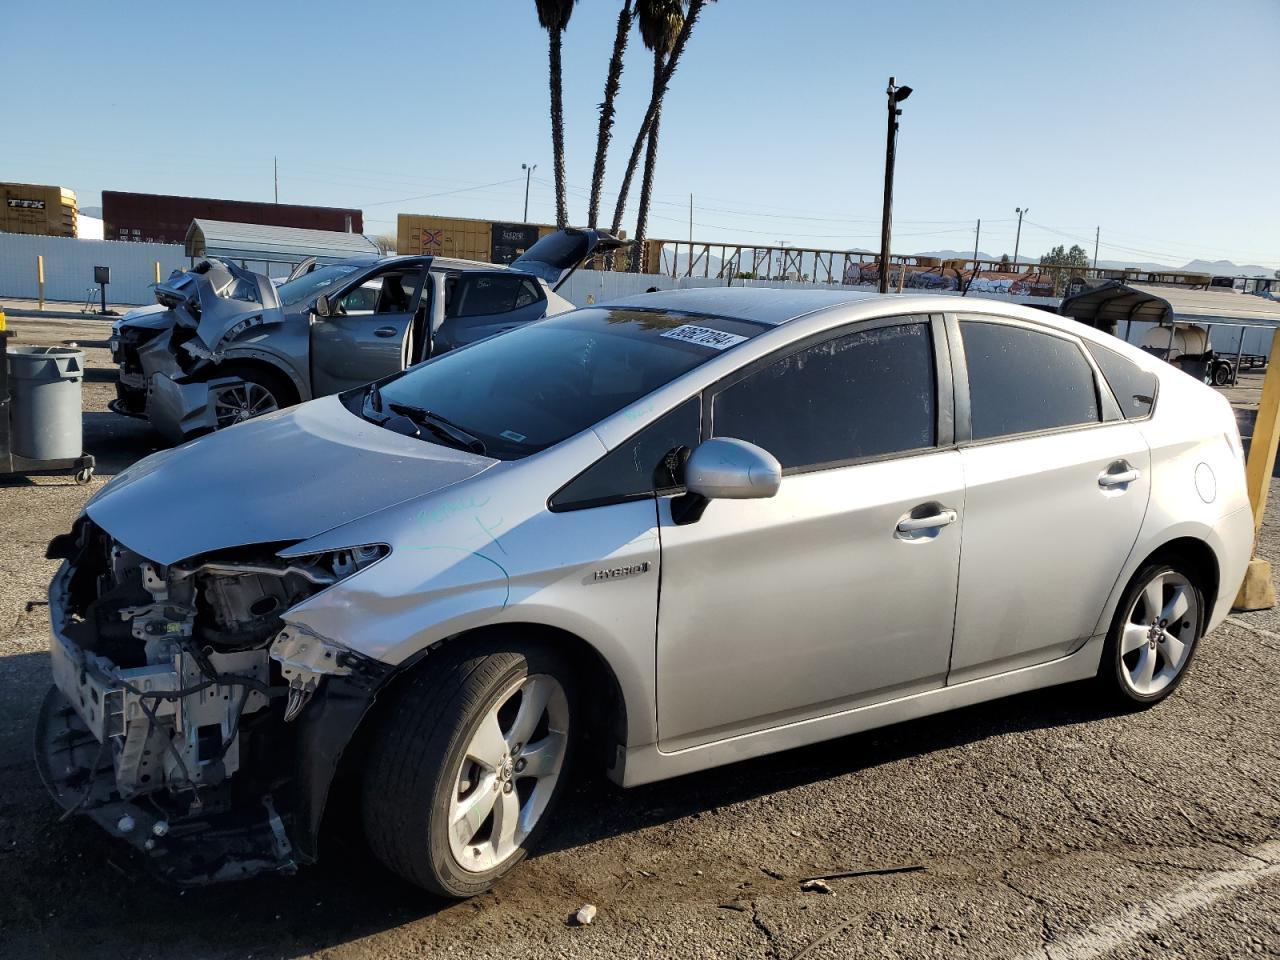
(613, 80)
(660, 23)
(554, 15)
(659, 90)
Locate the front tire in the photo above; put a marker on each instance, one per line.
(1153, 637)
(467, 764)
(254, 394)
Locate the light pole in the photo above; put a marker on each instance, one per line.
(896, 96)
(1021, 212)
(528, 175)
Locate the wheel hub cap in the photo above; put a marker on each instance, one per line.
(1158, 634)
(508, 773)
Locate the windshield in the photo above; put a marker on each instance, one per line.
(528, 389)
(314, 283)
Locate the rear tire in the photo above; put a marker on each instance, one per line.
(1153, 637)
(462, 777)
(1221, 375)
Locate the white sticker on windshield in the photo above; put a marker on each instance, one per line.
(704, 337)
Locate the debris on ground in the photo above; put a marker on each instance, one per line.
(586, 913)
(737, 905)
(816, 885)
(770, 872)
(869, 872)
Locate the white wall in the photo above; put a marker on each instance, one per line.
(69, 263)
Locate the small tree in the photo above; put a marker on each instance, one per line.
(1064, 264)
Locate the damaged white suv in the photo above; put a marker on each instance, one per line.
(678, 531)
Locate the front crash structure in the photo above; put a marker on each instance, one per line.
(181, 718)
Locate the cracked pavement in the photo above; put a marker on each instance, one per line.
(1048, 828)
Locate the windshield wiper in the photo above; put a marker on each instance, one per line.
(440, 426)
(375, 398)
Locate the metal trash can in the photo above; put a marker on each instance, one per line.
(45, 386)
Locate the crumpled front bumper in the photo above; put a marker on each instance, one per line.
(180, 411)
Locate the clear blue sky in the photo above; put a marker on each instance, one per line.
(1156, 119)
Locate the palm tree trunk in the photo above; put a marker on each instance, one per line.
(695, 7)
(612, 81)
(557, 127)
(646, 181)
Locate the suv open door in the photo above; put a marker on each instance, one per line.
(557, 255)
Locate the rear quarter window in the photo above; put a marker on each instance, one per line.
(1135, 388)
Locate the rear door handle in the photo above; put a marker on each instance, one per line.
(915, 524)
(1108, 479)
(385, 332)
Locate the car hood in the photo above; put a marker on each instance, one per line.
(155, 316)
(284, 477)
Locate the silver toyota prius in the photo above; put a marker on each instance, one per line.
(657, 535)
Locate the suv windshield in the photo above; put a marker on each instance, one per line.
(528, 389)
(314, 283)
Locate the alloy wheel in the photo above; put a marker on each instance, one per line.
(508, 773)
(1159, 631)
(242, 401)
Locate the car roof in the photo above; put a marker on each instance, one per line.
(767, 305)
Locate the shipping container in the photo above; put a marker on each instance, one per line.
(154, 218)
(484, 240)
(35, 208)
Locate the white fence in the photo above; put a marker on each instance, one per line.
(69, 263)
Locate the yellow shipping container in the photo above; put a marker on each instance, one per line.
(484, 240)
(36, 208)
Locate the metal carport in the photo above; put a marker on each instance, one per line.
(267, 244)
(1105, 305)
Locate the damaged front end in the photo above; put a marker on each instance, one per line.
(168, 361)
(179, 717)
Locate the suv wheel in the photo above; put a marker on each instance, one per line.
(1154, 635)
(468, 762)
(251, 396)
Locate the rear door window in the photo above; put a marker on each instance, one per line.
(1025, 381)
(863, 395)
(484, 294)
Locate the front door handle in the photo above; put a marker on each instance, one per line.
(1126, 474)
(385, 332)
(915, 524)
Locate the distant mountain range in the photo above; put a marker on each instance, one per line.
(1221, 268)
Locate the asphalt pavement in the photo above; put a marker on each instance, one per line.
(1042, 825)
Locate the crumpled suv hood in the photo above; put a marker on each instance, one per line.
(287, 476)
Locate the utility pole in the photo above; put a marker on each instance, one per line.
(528, 175)
(977, 235)
(1021, 212)
(275, 169)
(689, 264)
(896, 95)
(782, 260)
(1097, 235)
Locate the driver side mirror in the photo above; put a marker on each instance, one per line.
(725, 469)
(322, 306)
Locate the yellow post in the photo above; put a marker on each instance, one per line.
(157, 271)
(40, 277)
(1258, 592)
